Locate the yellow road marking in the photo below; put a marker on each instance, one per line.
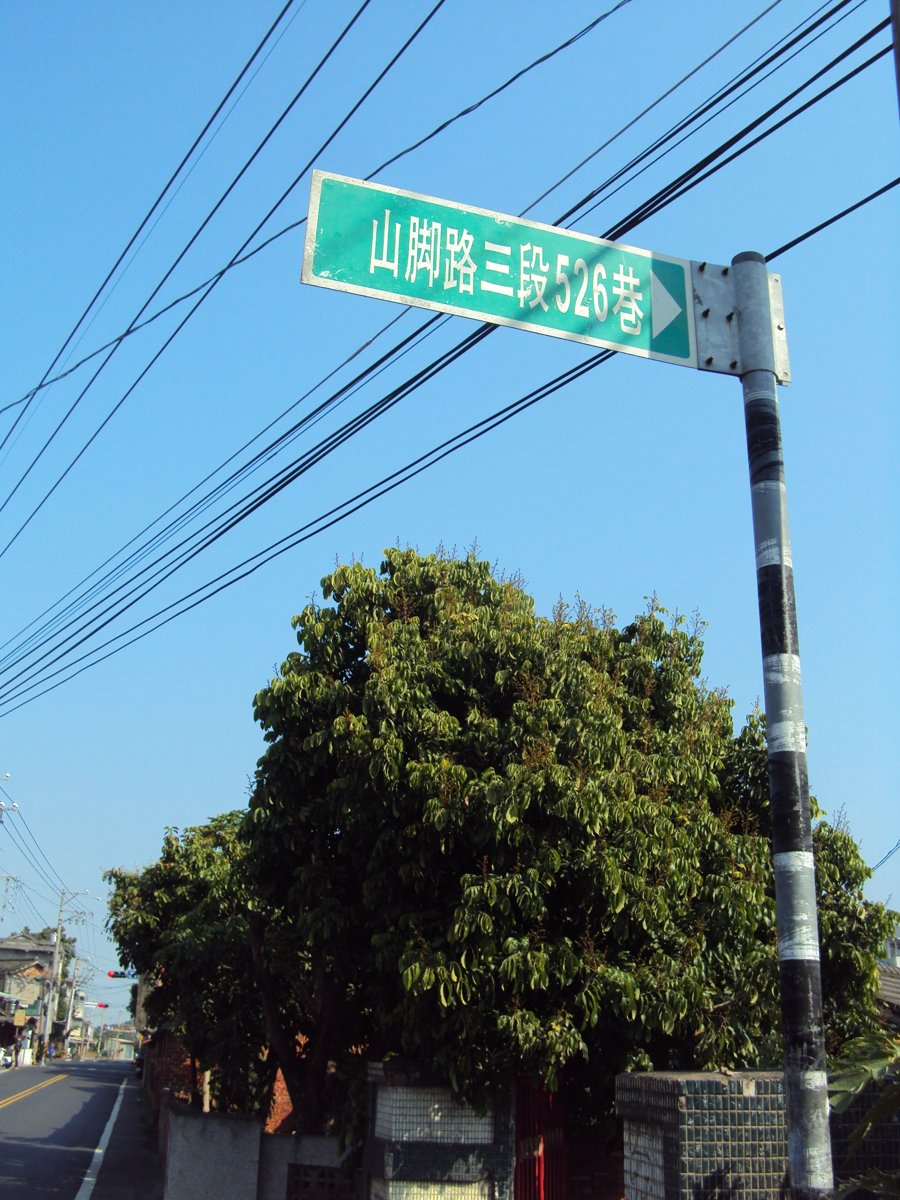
(30, 1091)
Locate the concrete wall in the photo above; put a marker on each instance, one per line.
(211, 1156)
(215, 1157)
(281, 1156)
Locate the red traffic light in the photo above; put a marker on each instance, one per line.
(116, 974)
(102, 1004)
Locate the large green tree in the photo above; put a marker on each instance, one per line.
(492, 840)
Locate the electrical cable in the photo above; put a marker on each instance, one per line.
(648, 208)
(309, 392)
(68, 645)
(790, 43)
(41, 918)
(651, 209)
(312, 418)
(40, 895)
(619, 229)
(223, 528)
(710, 110)
(61, 883)
(489, 423)
(327, 520)
(18, 841)
(322, 62)
(890, 854)
(298, 224)
(643, 113)
(197, 140)
(831, 220)
(136, 327)
(589, 28)
(212, 286)
(682, 177)
(183, 181)
(467, 111)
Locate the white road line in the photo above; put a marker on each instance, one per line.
(90, 1176)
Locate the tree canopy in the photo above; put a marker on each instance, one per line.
(496, 841)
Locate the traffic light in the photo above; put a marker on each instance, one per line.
(102, 1004)
(117, 974)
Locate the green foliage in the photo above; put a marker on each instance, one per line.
(869, 1064)
(181, 922)
(506, 841)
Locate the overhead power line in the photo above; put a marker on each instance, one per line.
(17, 815)
(255, 504)
(154, 206)
(20, 844)
(325, 58)
(333, 516)
(216, 281)
(738, 88)
(845, 212)
(890, 854)
(703, 169)
(774, 53)
(249, 507)
(340, 512)
(136, 326)
(788, 43)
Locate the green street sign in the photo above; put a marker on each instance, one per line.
(395, 245)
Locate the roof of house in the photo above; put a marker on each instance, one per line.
(16, 966)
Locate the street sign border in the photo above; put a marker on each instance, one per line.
(307, 274)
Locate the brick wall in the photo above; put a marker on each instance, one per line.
(281, 1111)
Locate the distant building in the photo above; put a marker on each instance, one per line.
(118, 1041)
(26, 947)
(22, 985)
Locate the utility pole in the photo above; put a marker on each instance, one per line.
(53, 991)
(803, 1034)
(71, 1004)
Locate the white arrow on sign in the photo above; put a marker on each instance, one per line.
(664, 309)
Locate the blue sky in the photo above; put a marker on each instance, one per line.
(628, 482)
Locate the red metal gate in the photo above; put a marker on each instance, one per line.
(540, 1148)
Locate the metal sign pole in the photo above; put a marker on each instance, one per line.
(805, 1080)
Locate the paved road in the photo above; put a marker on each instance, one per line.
(52, 1126)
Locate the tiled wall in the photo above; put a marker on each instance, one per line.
(694, 1136)
(423, 1145)
(709, 1136)
(428, 1114)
